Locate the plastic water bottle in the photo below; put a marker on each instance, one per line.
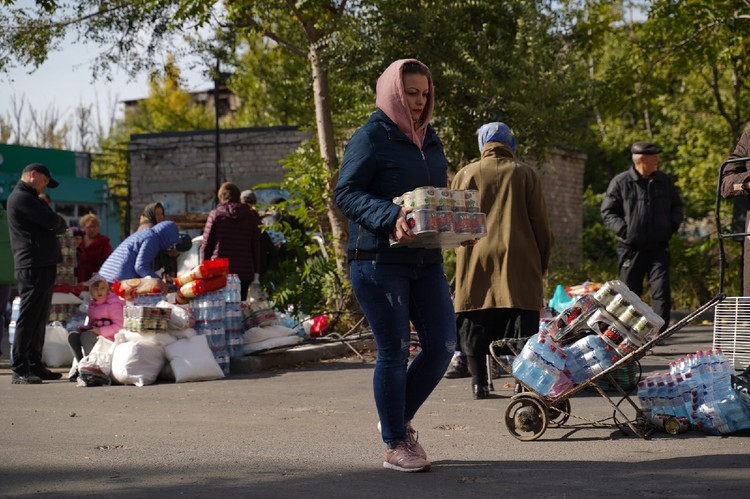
(222, 358)
(643, 399)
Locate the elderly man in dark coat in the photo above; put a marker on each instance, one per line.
(643, 208)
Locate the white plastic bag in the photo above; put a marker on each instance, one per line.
(56, 351)
(95, 369)
(100, 356)
(180, 318)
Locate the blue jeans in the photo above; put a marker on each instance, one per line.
(391, 295)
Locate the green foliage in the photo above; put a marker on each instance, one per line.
(490, 61)
(309, 280)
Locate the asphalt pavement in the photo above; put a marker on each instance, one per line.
(309, 430)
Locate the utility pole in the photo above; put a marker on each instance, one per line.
(217, 142)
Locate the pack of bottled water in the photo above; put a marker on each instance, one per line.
(209, 311)
(696, 392)
(233, 323)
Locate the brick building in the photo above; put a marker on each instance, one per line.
(562, 181)
(179, 170)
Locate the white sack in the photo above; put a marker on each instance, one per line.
(192, 360)
(249, 348)
(257, 334)
(136, 362)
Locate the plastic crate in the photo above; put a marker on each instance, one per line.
(625, 376)
(732, 330)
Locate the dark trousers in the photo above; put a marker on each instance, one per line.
(479, 328)
(4, 300)
(35, 287)
(652, 263)
(82, 343)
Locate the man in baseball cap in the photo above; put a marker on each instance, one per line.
(33, 228)
(33, 169)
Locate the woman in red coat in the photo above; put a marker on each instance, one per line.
(94, 249)
(232, 232)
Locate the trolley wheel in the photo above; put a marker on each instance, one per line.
(526, 417)
(559, 413)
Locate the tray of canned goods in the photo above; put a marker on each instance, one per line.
(141, 318)
(442, 218)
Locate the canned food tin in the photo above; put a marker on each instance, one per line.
(606, 294)
(421, 221)
(598, 322)
(478, 222)
(627, 346)
(459, 200)
(462, 222)
(676, 424)
(587, 303)
(444, 221)
(443, 199)
(407, 199)
(630, 316)
(617, 305)
(425, 198)
(613, 333)
(472, 200)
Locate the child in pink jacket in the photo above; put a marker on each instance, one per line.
(105, 318)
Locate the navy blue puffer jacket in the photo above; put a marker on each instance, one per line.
(381, 163)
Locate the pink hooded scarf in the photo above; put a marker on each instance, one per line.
(391, 99)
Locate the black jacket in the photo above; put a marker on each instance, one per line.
(33, 229)
(642, 212)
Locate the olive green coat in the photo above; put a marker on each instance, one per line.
(504, 269)
(6, 254)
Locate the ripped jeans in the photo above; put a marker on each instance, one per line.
(392, 295)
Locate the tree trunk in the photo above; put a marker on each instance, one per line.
(324, 124)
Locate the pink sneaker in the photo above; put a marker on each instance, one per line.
(402, 457)
(413, 441)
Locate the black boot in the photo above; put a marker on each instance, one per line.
(480, 391)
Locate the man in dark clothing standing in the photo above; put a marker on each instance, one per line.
(36, 252)
(643, 208)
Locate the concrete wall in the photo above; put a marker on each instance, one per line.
(178, 168)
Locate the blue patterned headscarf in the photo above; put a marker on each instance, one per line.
(496, 132)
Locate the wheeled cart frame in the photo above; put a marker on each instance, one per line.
(529, 414)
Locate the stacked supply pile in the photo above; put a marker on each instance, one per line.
(697, 391)
(204, 287)
(66, 270)
(442, 218)
(233, 326)
(64, 302)
(263, 329)
(585, 339)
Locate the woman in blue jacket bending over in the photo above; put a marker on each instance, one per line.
(394, 152)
